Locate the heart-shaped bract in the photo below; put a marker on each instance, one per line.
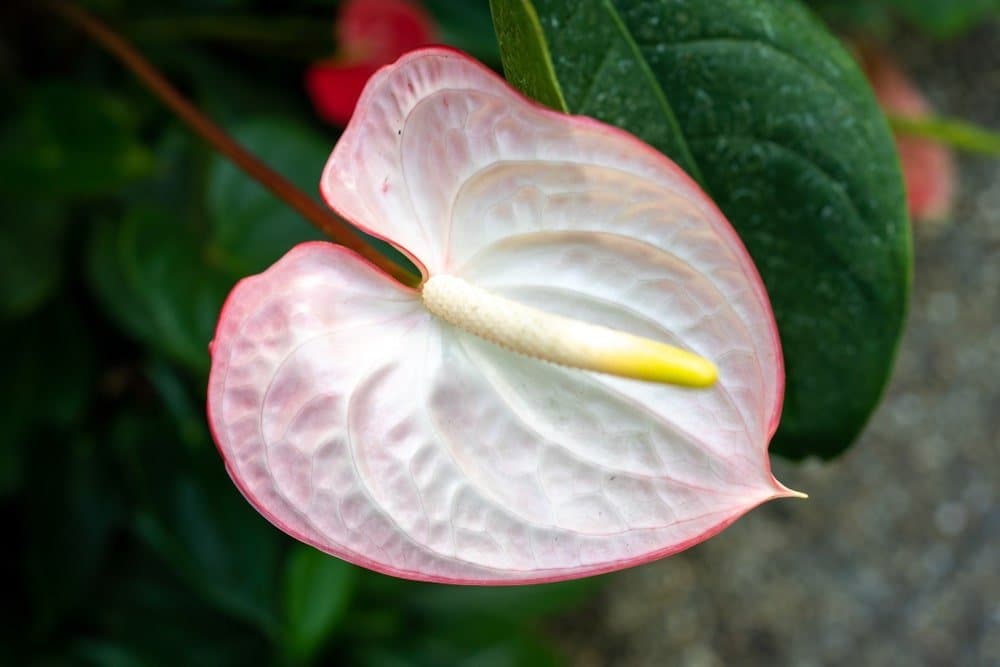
(358, 422)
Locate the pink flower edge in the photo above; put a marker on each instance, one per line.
(244, 293)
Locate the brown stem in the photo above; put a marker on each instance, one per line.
(326, 221)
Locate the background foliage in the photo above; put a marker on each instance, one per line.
(121, 236)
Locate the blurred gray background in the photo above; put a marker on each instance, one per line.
(895, 558)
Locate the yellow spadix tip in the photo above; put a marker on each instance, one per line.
(649, 360)
(561, 340)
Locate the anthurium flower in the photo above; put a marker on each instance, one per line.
(467, 431)
(370, 34)
(928, 167)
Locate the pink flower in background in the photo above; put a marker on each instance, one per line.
(370, 34)
(928, 167)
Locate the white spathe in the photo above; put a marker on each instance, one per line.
(356, 421)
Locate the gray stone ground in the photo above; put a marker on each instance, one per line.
(895, 559)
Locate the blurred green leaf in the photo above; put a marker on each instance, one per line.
(517, 605)
(231, 92)
(318, 591)
(189, 514)
(938, 18)
(150, 272)
(757, 102)
(146, 617)
(31, 396)
(71, 509)
(946, 18)
(467, 26)
(153, 270)
(871, 17)
(70, 139)
(398, 622)
(187, 415)
(463, 646)
(212, 538)
(250, 227)
(31, 255)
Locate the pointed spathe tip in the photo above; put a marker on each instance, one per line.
(783, 491)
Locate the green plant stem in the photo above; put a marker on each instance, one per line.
(949, 131)
(336, 228)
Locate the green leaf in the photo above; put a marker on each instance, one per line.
(527, 62)
(72, 508)
(68, 139)
(151, 273)
(215, 542)
(938, 18)
(771, 115)
(251, 228)
(31, 245)
(48, 382)
(190, 515)
(870, 17)
(187, 415)
(154, 270)
(514, 605)
(463, 645)
(466, 26)
(318, 591)
(147, 617)
(946, 18)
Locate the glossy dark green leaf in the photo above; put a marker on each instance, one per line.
(318, 591)
(70, 139)
(527, 60)
(767, 111)
(251, 228)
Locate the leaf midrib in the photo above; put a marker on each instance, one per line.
(658, 91)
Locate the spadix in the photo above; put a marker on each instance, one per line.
(425, 433)
(561, 340)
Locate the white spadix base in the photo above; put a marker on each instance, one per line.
(561, 340)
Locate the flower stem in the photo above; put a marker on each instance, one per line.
(335, 227)
(949, 131)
